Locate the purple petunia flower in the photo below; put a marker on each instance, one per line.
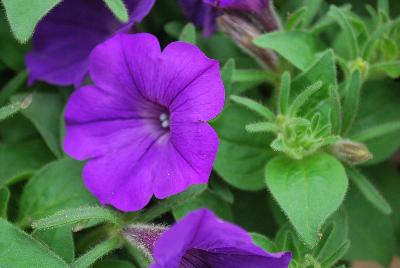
(142, 126)
(204, 13)
(65, 37)
(202, 240)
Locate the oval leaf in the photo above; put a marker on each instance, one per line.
(308, 190)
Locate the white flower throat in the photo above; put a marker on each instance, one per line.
(164, 119)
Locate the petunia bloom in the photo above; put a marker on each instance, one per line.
(202, 240)
(204, 13)
(65, 37)
(142, 125)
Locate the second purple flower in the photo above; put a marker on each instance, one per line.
(142, 126)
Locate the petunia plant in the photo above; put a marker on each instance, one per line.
(199, 133)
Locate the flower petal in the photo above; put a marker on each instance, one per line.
(186, 159)
(198, 94)
(98, 122)
(122, 178)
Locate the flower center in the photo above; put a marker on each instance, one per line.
(164, 120)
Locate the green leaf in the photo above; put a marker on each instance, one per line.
(391, 68)
(118, 8)
(370, 232)
(336, 110)
(351, 100)
(46, 120)
(369, 191)
(262, 127)
(386, 178)
(295, 19)
(263, 242)
(23, 15)
(284, 93)
(255, 107)
(76, 215)
(66, 190)
(334, 240)
(96, 253)
(15, 107)
(288, 45)
(368, 47)
(303, 97)
(188, 34)
(379, 108)
(241, 156)
(4, 198)
(21, 159)
(308, 191)
(338, 15)
(172, 202)
(227, 75)
(313, 7)
(12, 53)
(323, 69)
(59, 240)
(22, 251)
(252, 76)
(209, 200)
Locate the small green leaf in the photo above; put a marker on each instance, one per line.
(262, 127)
(23, 15)
(336, 110)
(118, 8)
(66, 190)
(172, 202)
(22, 251)
(308, 191)
(46, 120)
(76, 215)
(188, 34)
(241, 155)
(226, 74)
(376, 131)
(255, 107)
(338, 15)
(59, 240)
(368, 47)
(252, 76)
(303, 97)
(284, 93)
(369, 191)
(313, 7)
(337, 255)
(15, 107)
(288, 45)
(295, 19)
(4, 198)
(263, 242)
(351, 100)
(96, 253)
(391, 68)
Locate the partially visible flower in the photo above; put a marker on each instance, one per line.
(204, 13)
(202, 240)
(65, 37)
(142, 126)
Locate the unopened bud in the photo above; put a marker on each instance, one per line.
(360, 65)
(243, 30)
(351, 152)
(143, 236)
